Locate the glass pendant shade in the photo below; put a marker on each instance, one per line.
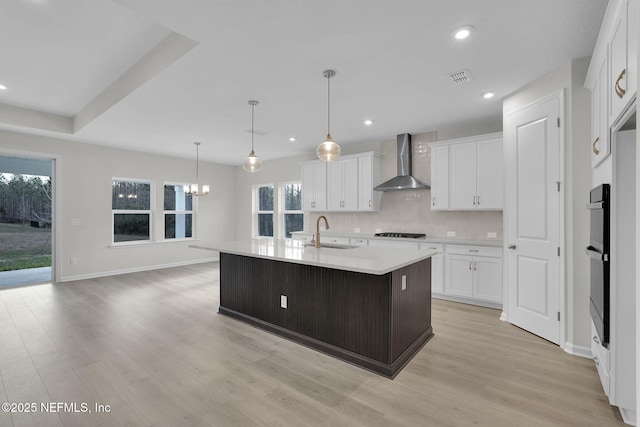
(252, 163)
(328, 150)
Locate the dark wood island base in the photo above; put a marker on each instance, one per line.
(376, 322)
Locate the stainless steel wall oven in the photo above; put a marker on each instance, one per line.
(599, 253)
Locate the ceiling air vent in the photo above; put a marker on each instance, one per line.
(459, 77)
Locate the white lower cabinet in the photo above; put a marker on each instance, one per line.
(474, 272)
(600, 358)
(394, 244)
(437, 267)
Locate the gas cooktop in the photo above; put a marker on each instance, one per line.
(403, 235)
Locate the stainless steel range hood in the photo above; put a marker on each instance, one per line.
(404, 180)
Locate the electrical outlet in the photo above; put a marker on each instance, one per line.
(404, 282)
(74, 260)
(492, 235)
(356, 230)
(75, 221)
(378, 230)
(451, 234)
(283, 301)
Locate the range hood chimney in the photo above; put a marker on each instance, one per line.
(404, 180)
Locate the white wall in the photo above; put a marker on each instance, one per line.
(577, 182)
(84, 189)
(400, 211)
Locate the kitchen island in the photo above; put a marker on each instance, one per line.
(367, 306)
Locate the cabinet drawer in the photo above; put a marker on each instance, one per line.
(439, 247)
(490, 251)
(333, 239)
(393, 244)
(302, 237)
(359, 242)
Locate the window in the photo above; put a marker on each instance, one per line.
(292, 215)
(264, 211)
(178, 212)
(131, 210)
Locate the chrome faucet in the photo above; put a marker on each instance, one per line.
(317, 236)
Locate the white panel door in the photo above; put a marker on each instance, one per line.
(532, 208)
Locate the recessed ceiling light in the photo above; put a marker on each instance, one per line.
(462, 32)
(368, 122)
(3, 87)
(488, 95)
(292, 139)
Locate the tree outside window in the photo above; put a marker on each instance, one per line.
(178, 212)
(131, 210)
(293, 217)
(264, 204)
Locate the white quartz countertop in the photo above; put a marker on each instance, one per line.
(443, 240)
(370, 260)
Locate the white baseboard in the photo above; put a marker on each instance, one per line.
(578, 350)
(135, 270)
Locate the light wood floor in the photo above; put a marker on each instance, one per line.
(152, 347)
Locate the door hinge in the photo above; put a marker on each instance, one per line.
(558, 250)
(558, 316)
(558, 121)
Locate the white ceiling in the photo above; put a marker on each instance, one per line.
(94, 71)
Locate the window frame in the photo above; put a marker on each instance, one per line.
(255, 221)
(194, 202)
(282, 211)
(148, 212)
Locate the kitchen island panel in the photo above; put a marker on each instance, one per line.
(364, 319)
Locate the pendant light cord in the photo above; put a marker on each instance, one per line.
(328, 105)
(253, 104)
(197, 162)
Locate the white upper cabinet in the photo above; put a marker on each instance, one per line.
(368, 177)
(473, 176)
(623, 58)
(342, 185)
(314, 186)
(440, 178)
(600, 147)
(490, 174)
(463, 176)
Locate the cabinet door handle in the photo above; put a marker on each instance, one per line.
(595, 359)
(433, 201)
(474, 200)
(369, 203)
(619, 91)
(593, 146)
(478, 200)
(511, 246)
(475, 265)
(596, 340)
(469, 265)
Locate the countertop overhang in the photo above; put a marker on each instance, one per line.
(362, 259)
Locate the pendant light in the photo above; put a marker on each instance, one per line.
(193, 188)
(328, 150)
(252, 163)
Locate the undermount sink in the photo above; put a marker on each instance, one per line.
(333, 245)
